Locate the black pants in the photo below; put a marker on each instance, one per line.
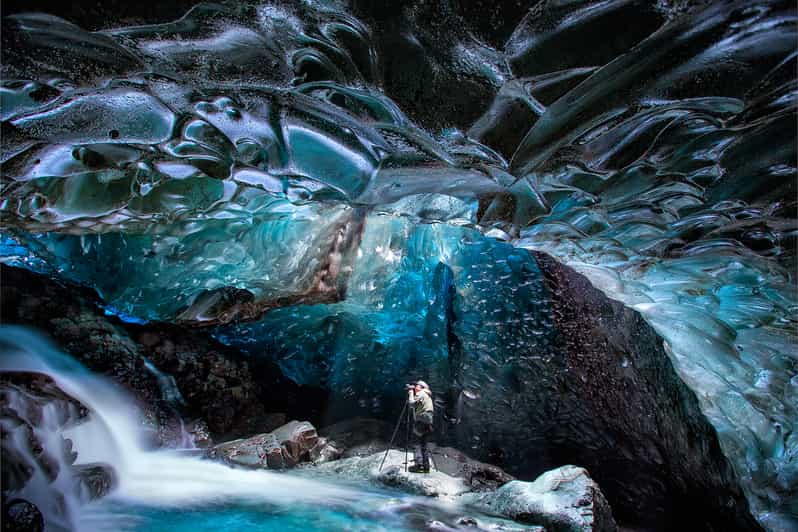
(422, 431)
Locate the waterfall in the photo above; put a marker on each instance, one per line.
(114, 435)
(170, 393)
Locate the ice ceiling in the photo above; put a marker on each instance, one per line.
(254, 169)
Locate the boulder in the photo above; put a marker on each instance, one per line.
(97, 480)
(359, 436)
(199, 433)
(470, 522)
(434, 484)
(39, 390)
(563, 499)
(20, 515)
(285, 447)
(479, 476)
(363, 437)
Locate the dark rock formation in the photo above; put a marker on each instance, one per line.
(478, 475)
(96, 479)
(23, 397)
(218, 384)
(284, 447)
(67, 313)
(637, 415)
(233, 394)
(34, 412)
(603, 394)
(20, 515)
(358, 436)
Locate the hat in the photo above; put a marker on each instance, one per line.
(422, 384)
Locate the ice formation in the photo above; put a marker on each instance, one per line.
(248, 168)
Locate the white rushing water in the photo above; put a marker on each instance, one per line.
(115, 435)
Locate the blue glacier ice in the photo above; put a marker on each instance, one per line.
(247, 168)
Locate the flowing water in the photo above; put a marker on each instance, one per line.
(170, 490)
(254, 155)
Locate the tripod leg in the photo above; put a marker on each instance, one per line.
(407, 439)
(393, 437)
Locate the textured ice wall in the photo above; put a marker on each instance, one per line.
(213, 168)
(684, 208)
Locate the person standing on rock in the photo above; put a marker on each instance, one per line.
(419, 397)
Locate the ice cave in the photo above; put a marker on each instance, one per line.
(355, 265)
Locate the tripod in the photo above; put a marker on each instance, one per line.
(395, 431)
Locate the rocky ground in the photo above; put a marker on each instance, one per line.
(286, 446)
(564, 499)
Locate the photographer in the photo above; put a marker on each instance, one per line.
(419, 397)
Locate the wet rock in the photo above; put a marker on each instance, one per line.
(364, 437)
(287, 446)
(96, 479)
(433, 484)
(564, 499)
(24, 396)
(38, 462)
(297, 439)
(15, 471)
(470, 522)
(200, 435)
(20, 515)
(478, 475)
(324, 451)
(260, 451)
(22, 453)
(39, 390)
(359, 436)
(365, 449)
(392, 473)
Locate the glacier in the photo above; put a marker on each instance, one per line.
(252, 169)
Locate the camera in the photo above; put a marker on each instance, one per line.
(409, 386)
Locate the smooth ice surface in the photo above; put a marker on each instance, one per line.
(248, 163)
